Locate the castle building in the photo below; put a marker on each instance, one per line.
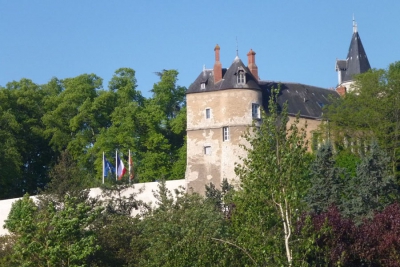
(223, 102)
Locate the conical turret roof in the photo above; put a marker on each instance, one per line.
(357, 60)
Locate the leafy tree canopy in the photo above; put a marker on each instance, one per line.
(370, 111)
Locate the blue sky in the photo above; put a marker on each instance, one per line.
(295, 41)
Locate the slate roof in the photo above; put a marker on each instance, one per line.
(356, 61)
(307, 99)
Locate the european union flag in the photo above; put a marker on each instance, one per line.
(108, 167)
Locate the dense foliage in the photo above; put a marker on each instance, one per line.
(39, 122)
(371, 111)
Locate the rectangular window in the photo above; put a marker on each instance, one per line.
(207, 150)
(225, 133)
(203, 86)
(208, 113)
(255, 111)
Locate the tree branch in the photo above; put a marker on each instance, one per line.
(242, 249)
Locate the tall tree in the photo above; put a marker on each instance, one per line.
(69, 124)
(373, 188)
(123, 130)
(76, 116)
(327, 180)
(163, 122)
(25, 156)
(273, 181)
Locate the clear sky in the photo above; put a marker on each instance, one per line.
(295, 41)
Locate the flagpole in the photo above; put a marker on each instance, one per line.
(103, 168)
(129, 164)
(116, 166)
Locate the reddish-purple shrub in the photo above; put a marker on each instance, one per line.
(378, 240)
(335, 235)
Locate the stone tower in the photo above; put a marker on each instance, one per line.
(221, 104)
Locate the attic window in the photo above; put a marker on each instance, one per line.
(320, 104)
(241, 77)
(203, 86)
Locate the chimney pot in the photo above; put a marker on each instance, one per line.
(251, 63)
(217, 66)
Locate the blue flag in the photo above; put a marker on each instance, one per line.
(108, 167)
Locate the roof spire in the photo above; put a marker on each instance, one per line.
(354, 25)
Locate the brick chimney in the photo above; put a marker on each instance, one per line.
(217, 66)
(251, 63)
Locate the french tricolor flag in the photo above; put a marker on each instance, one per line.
(121, 170)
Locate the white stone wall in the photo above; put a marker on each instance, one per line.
(146, 196)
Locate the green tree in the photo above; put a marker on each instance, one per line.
(123, 131)
(163, 123)
(66, 178)
(185, 231)
(273, 180)
(327, 181)
(118, 233)
(52, 235)
(69, 122)
(153, 129)
(373, 188)
(166, 94)
(76, 116)
(25, 156)
(10, 158)
(371, 111)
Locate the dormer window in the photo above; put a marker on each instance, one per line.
(203, 86)
(241, 77)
